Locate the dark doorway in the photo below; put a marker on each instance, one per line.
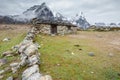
(54, 29)
(69, 27)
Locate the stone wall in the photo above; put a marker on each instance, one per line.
(66, 30)
(61, 30)
(44, 28)
(74, 30)
(29, 56)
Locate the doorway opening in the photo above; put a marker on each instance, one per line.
(53, 29)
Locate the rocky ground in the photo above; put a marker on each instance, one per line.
(26, 55)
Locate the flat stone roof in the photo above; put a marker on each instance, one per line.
(54, 22)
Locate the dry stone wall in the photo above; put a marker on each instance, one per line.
(30, 57)
(65, 30)
(44, 28)
(61, 30)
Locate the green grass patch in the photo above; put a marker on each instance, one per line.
(15, 38)
(61, 59)
(5, 46)
(111, 74)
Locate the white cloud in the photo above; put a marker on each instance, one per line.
(95, 10)
(62, 4)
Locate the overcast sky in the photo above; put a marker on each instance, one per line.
(94, 10)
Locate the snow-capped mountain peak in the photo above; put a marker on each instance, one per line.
(80, 21)
(44, 12)
(59, 16)
(39, 11)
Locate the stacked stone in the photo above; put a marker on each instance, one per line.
(29, 56)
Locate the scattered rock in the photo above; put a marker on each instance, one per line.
(7, 69)
(6, 39)
(3, 61)
(91, 54)
(7, 53)
(1, 76)
(77, 45)
(91, 72)
(2, 71)
(31, 73)
(72, 53)
(46, 77)
(80, 49)
(14, 67)
(118, 74)
(111, 54)
(15, 48)
(58, 64)
(10, 78)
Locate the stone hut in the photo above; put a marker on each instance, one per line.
(55, 27)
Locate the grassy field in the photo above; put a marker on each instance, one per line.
(66, 57)
(16, 33)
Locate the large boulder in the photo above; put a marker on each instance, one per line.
(31, 73)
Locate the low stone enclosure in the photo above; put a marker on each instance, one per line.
(29, 59)
(55, 27)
